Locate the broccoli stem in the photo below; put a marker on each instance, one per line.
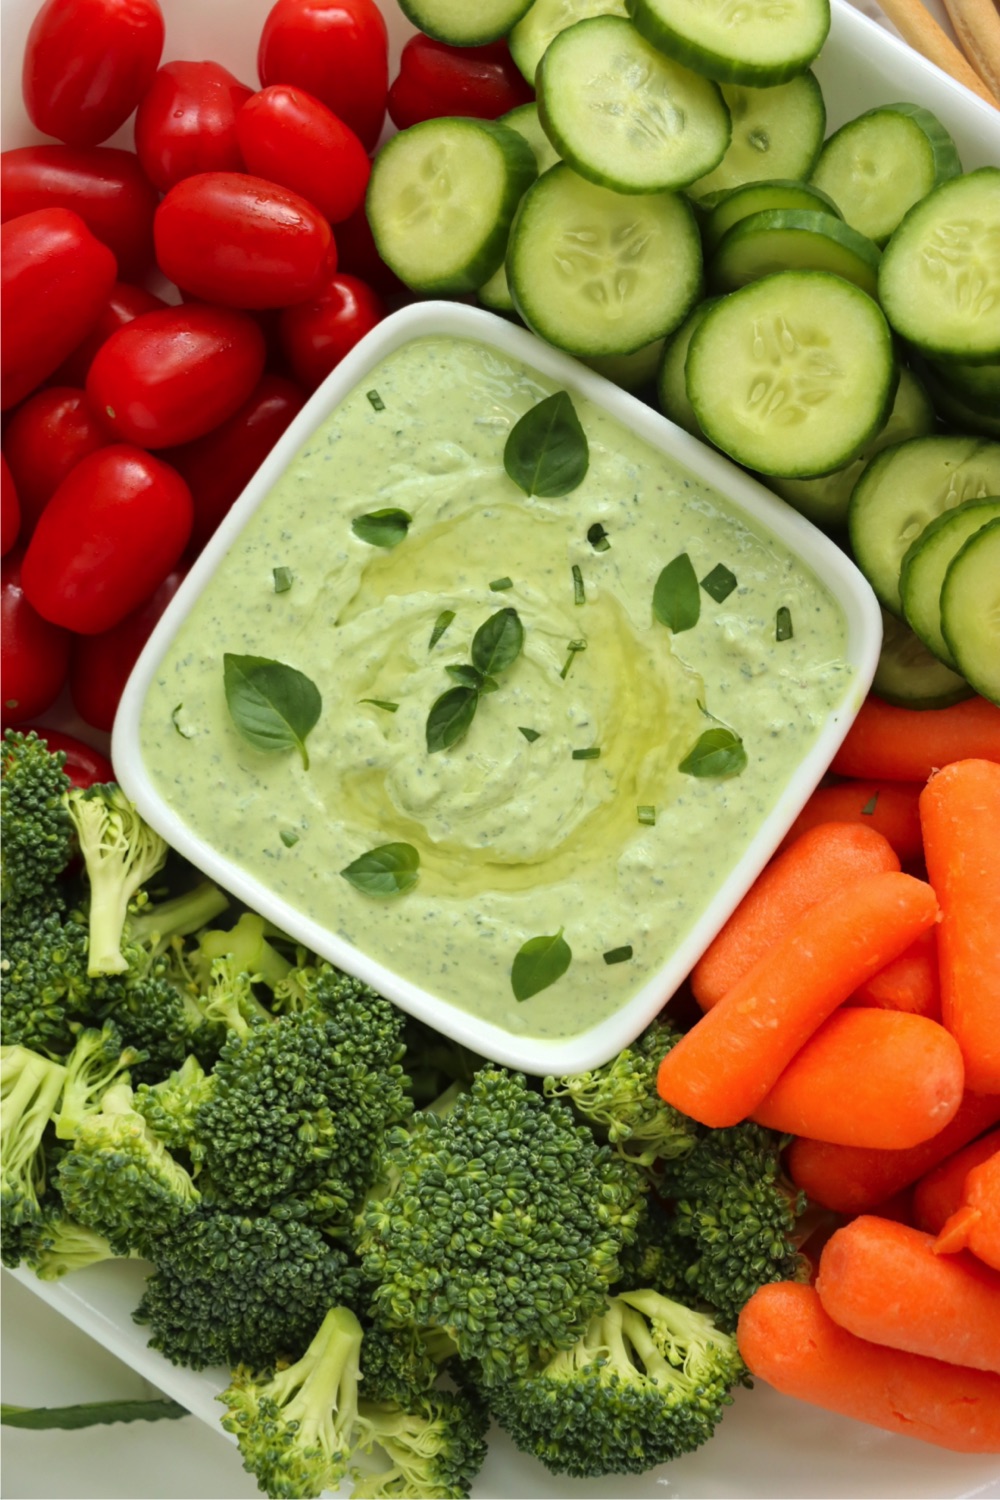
(121, 853)
(154, 926)
(320, 1391)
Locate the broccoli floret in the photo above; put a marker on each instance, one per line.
(247, 947)
(657, 1258)
(621, 1100)
(436, 1446)
(36, 833)
(367, 1024)
(735, 1213)
(47, 992)
(400, 1364)
(121, 853)
(170, 1107)
(96, 1062)
(433, 1062)
(30, 1086)
(648, 1381)
(502, 1224)
(56, 1245)
(229, 1289)
(155, 923)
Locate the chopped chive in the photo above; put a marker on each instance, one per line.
(282, 580)
(870, 805)
(288, 837)
(592, 752)
(619, 955)
(390, 708)
(376, 400)
(598, 537)
(441, 624)
(579, 596)
(573, 648)
(529, 734)
(646, 814)
(500, 584)
(783, 624)
(719, 583)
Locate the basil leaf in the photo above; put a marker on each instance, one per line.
(716, 753)
(273, 705)
(382, 528)
(385, 703)
(441, 624)
(467, 676)
(676, 599)
(388, 870)
(90, 1414)
(450, 717)
(538, 963)
(498, 641)
(546, 452)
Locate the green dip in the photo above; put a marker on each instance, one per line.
(516, 837)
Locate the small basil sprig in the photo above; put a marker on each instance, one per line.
(538, 963)
(388, 870)
(273, 705)
(546, 452)
(676, 599)
(450, 717)
(496, 645)
(717, 753)
(382, 528)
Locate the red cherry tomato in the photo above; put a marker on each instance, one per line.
(87, 64)
(435, 80)
(34, 652)
(242, 242)
(186, 122)
(337, 50)
(105, 186)
(113, 530)
(219, 466)
(46, 438)
(289, 137)
(316, 335)
(84, 765)
(99, 665)
(125, 303)
(55, 280)
(170, 376)
(10, 508)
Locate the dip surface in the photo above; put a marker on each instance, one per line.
(516, 837)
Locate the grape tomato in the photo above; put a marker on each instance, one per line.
(291, 138)
(338, 51)
(186, 122)
(87, 64)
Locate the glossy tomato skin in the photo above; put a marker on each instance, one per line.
(186, 122)
(105, 186)
(240, 241)
(112, 532)
(436, 80)
(10, 509)
(219, 466)
(87, 64)
(55, 280)
(34, 652)
(357, 254)
(125, 303)
(99, 665)
(338, 51)
(47, 437)
(316, 335)
(84, 765)
(289, 137)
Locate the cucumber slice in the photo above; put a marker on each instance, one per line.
(524, 119)
(463, 25)
(792, 239)
(623, 115)
(905, 487)
(757, 197)
(954, 410)
(970, 610)
(939, 281)
(909, 676)
(630, 371)
(793, 374)
(925, 563)
(546, 18)
(879, 165)
(760, 45)
(975, 386)
(777, 133)
(671, 385)
(495, 293)
(597, 272)
(825, 501)
(441, 200)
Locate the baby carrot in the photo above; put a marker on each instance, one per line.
(722, 1068)
(887, 743)
(883, 1282)
(856, 1179)
(939, 1193)
(787, 1339)
(960, 816)
(976, 1223)
(909, 982)
(818, 863)
(888, 807)
(868, 1078)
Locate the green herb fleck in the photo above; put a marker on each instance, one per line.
(719, 583)
(573, 648)
(500, 584)
(717, 753)
(783, 624)
(382, 528)
(441, 624)
(619, 955)
(390, 708)
(529, 734)
(646, 814)
(598, 537)
(676, 600)
(388, 870)
(273, 705)
(538, 963)
(376, 400)
(282, 580)
(591, 752)
(870, 805)
(289, 837)
(546, 452)
(185, 734)
(579, 593)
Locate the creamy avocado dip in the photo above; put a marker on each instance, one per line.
(517, 836)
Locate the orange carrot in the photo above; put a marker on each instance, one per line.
(960, 816)
(787, 1339)
(910, 982)
(888, 807)
(868, 1078)
(976, 1223)
(820, 862)
(856, 1179)
(722, 1068)
(938, 1194)
(906, 744)
(883, 1282)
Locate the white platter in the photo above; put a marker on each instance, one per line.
(767, 1447)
